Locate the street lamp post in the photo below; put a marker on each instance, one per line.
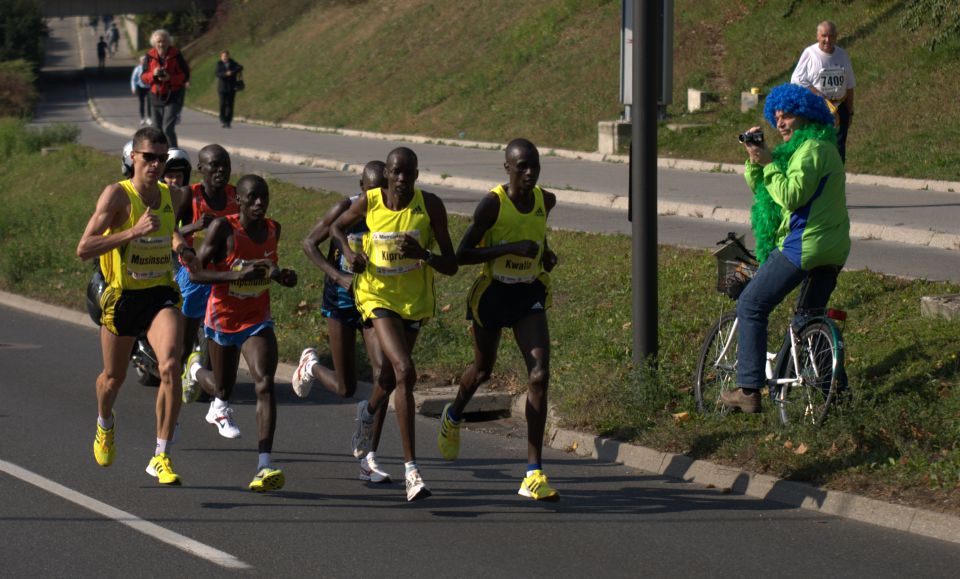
(643, 178)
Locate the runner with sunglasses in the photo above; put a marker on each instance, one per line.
(132, 232)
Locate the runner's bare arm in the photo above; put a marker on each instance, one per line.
(217, 245)
(446, 262)
(484, 217)
(320, 233)
(113, 207)
(549, 258)
(356, 212)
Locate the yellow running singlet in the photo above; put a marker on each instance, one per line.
(144, 262)
(390, 281)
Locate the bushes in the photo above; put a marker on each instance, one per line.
(17, 139)
(18, 93)
(22, 31)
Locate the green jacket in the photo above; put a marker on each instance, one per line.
(815, 227)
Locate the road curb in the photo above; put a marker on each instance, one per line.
(858, 230)
(764, 487)
(676, 466)
(663, 162)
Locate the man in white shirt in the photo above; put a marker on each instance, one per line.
(825, 69)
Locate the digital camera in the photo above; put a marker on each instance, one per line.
(756, 137)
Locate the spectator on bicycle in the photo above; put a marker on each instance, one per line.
(800, 222)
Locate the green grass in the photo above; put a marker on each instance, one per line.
(550, 72)
(897, 438)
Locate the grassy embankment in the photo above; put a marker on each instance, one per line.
(898, 439)
(485, 71)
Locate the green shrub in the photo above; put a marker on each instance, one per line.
(18, 139)
(18, 93)
(22, 31)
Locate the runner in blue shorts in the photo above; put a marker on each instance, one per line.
(213, 197)
(343, 320)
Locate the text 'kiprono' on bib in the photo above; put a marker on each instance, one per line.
(385, 255)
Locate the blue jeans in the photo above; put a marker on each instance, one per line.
(164, 112)
(844, 113)
(776, 278)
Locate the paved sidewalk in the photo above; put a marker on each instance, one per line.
(897, 210)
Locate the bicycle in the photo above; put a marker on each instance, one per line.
(804, 378)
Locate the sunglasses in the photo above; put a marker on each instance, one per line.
(149, 158)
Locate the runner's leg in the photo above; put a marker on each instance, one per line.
(397, 370)
(533, 339)
(165, 335)
(375, 356)
(116, 359)
(260, 352)
(485, 344)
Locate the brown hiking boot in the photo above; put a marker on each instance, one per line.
(746, 400)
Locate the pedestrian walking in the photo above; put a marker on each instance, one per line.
(141, 90)
(230, 80)
(101, 54)
(168, 74)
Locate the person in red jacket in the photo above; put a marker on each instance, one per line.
(168, 74)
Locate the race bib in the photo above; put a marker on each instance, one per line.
(515, 269)
(149, 257)
(385, 253)
(355, 240)
(832, 82)
(247, 288)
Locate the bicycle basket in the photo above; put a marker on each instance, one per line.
(733, 275)
(736, 266)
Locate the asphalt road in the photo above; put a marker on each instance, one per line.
(612, 521)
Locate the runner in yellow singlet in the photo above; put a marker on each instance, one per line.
(508, 236)
(394, 291)
(132, 231)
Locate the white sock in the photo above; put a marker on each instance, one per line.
(263, 460)
(105, 423)
(193, 371)
(219, 404)
(309, 368)
(161, 446)
(408, 467)
(371, 456)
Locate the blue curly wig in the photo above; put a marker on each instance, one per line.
(796, 100)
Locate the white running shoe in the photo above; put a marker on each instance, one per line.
(370, 470)
(223, 419)
(363, 436)
(301, 380)
(191, 388)
(416, 488)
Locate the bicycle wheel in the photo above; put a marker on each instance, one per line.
(820, 357)
(717, 365)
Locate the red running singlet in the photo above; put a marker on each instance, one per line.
(238, 305)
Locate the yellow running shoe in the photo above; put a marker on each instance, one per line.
(161, 468)
(448, 438)
(103, 449)
(267, 479)
(537, 488)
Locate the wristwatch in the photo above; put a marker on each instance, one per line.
(428, 257)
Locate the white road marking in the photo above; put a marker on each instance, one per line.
(157, 532)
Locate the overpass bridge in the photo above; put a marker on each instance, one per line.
(65, 8)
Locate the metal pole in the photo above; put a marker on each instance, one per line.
(643, 176)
